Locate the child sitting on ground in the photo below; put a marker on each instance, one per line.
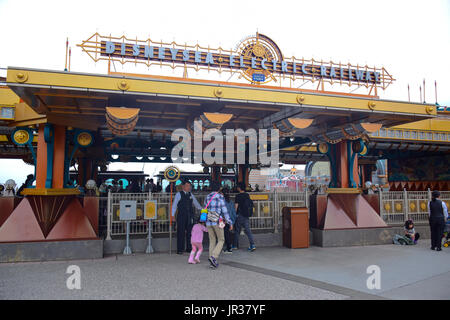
(196, 241)
(410, 232)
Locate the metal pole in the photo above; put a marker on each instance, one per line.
(127, 249)
(380, 202)
(149, 246)
(67, 46)
(108, 217)
(435, 90)
(405, 204)
(275, 210)
(170, 217)
(150, 228)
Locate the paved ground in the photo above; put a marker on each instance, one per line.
(268, 273)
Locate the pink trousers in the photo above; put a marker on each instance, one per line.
(196, 247)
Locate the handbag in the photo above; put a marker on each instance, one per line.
(213, 216)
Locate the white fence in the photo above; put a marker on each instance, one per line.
(398, 206)
(395, 206)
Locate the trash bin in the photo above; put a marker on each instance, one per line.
(295, 227)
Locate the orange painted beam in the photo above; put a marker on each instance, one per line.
(41, 159)
(341, 164)
(59, 157)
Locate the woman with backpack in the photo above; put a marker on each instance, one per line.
(244, 210)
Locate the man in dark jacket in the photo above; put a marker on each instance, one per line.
(244, 210)
(438, 214)
(183, 202)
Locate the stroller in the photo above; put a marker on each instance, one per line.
(446, 236)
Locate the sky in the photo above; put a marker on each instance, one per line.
(411, 39)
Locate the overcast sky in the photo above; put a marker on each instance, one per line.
(411, 39)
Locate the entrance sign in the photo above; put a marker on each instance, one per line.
(257, 58)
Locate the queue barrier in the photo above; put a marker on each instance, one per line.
(395, 208)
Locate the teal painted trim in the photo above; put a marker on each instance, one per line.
(331, 154)
(350, 161)
(67, 162)
(49, 137)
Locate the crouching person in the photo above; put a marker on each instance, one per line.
(410, 232)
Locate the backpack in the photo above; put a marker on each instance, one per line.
(402, 240)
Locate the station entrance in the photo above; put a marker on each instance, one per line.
(62, 117)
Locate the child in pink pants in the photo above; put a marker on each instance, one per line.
(196, 242)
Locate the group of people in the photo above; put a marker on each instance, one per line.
(438, 215)
(117, 186)
(223, 233)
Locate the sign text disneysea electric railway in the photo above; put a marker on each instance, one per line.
(257, 57)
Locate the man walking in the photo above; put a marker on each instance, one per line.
(438, 213)
(244, 210)
(215, 202)
(183, 203)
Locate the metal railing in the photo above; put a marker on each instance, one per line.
(266, 214)
(398, 206)
(395, 208)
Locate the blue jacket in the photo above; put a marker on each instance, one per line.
(231, 211)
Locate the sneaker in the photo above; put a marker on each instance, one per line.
(213, 262)
(438, 249)
(251, 248)
(228, 251)
(432, 248)
(234, 248)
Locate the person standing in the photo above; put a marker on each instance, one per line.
(216, 202)
(232, 213)
(183, 202)
(244, 210)
(438, 214)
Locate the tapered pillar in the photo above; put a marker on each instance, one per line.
(50, 211)
(345, 207)
(51, 155)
